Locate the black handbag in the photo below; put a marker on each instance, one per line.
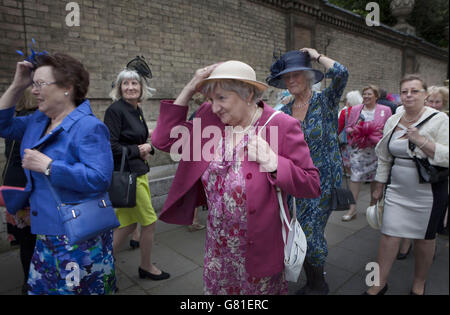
(122, 191)
(341, 199)
(428, 173)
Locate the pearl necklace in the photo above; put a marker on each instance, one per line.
(305, 103)
(248, 127)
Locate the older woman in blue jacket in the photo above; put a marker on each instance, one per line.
(66, 143)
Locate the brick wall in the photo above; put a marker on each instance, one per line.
(179, 36)
(368, 61)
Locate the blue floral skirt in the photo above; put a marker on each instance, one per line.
(58, 268)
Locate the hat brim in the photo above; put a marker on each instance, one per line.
(259, 85)
(373, 216)
(278, 82)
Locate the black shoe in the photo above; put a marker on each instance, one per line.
(134, 244)
(401, 256)
(143, 274)
(381, 292)
(316, 284)
(309, 279)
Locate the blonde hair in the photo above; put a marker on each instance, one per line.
(127, 74)
(374, 88)
(441, 90)
(27, 101)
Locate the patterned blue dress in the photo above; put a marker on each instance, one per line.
(320, 129)
(58, 268)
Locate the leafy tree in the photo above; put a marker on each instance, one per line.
(429, 17)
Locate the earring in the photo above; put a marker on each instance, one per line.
(66, 93)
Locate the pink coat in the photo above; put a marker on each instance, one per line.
(382, 114)
(296, 175)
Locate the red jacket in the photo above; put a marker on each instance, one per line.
(342, 118)
(296, 175)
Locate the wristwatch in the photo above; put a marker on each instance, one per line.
(48, 169)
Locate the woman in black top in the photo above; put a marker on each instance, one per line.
(128, 128)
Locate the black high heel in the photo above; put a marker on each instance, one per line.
(381, 292)
(134, 244)
(401, 256)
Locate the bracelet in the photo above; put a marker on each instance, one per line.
(318, 58)
(425, 142)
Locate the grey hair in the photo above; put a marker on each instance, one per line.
(127, 74)
(310, 77)
(241, 88)
(354, 98)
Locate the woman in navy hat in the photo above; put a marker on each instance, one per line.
(318, 116)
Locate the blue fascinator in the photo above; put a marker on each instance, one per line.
(34, 54)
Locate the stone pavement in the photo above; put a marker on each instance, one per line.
(176, 250)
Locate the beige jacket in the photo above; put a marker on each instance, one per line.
(436, 130)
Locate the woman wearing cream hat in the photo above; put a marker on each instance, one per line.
(244, 245)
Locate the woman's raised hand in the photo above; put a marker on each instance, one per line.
(202, 74)
(23, 76)
(191, 88)
(313, 54)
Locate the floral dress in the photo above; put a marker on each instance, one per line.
(226, 238)
(58, 268)
(320, 129)
(363, 162)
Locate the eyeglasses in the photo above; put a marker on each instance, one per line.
(38, 85)
(413, 92)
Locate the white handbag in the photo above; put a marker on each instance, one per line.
(295, 246)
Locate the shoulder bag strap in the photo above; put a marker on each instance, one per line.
(270, 118)
(284, 219)
(411, 145)
(54, 193)
(8, 161)
(345, 117)
(124, 156)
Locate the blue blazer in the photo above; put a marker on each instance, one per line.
(82, 162)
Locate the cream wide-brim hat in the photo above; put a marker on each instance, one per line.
(235, 70)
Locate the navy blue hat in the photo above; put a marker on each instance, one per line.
(294, 60)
